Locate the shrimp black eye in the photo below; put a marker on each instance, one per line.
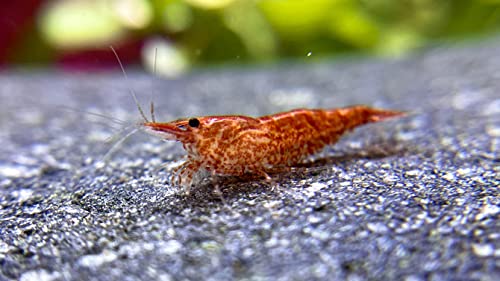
(193, 122)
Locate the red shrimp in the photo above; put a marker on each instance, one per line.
(237, 145)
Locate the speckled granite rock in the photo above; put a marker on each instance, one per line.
(409, 199)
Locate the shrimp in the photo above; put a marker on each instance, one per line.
(236, 145)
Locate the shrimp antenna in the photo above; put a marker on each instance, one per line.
(108, 118)
(152, 105)
(118, 144)
(132, 92)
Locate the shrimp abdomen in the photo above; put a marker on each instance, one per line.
(303, 132)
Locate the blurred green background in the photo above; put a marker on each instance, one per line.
(190, 33)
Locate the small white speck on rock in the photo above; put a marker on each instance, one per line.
(39, 275)
(464, 172)
(345, 183)
(99, 164)
(316, 186)
(369, 165)
(4, 247)
(17, 171)
(413, 278)
(449, 177)
(314, 219)
(385, 166)
(377, 227)
(488, 210)
(413, 173)
(483, 250)
(493, 130)
(94, 261)
(390, 179)
(22, 194)
(247, 253)
(170, 247)
(313, 188)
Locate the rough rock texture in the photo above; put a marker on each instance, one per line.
(409, 199)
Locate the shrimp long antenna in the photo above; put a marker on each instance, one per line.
(117, 145)
(152, 105)
(109, 118)
(132, 92)
(117, 136)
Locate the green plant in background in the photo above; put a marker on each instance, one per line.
(198, 32)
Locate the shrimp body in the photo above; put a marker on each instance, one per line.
(237, 145)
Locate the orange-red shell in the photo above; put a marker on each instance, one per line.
(236, 145)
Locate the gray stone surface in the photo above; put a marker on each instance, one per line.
(409, 199)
